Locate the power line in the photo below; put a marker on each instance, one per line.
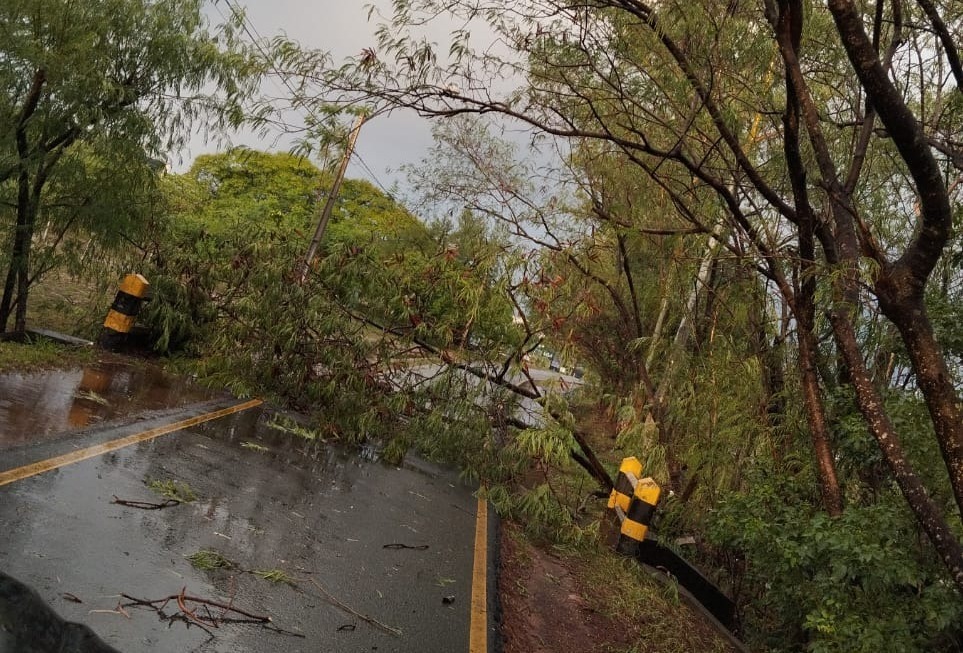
(374, 177)
(248, 28)
(255, 37)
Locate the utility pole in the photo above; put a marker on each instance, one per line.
(329, 203)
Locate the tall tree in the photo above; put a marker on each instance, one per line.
(131, 76)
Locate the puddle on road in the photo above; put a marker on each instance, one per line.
(39, 404)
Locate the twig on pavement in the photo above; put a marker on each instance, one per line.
(374, 622)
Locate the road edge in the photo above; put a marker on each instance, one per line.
(495, 644)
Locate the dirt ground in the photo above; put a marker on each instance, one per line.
(554, 601)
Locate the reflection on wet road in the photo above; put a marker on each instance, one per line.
(266, 500)
(40, 404)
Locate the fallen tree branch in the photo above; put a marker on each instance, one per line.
(594, 467)
(374, 622)
(145, 505)
(226, 608)
(189, 614)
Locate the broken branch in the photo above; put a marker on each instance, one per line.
(374, 622)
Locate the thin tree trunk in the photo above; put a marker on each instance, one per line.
(935, 383)
(659, 325)
(7, 300)
(870, 404)
(16, 271)
(23, 286)
(788, 27)
(684, 331)
(816, 414)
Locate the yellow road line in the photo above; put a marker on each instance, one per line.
(478, 630)
(42, 466)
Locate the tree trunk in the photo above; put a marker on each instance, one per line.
(685, 330)
(900, 288)
(17, 272)
(870, 404)
(7, 300)
(816, 413)
(23, 286)
(789, 32)
(934, 380)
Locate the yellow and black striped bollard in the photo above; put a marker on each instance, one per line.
(639, 515)
(123, 312)
(629, 472)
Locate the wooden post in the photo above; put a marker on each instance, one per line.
(329, 203)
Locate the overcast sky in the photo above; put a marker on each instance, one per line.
(342, 28)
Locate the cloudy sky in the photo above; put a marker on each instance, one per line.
(341, 28)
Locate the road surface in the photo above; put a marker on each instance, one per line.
(380, 558)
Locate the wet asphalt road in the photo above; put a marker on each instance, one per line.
(321, 514)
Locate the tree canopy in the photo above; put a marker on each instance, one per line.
(96, 90)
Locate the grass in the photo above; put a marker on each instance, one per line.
(208, 560)
(254, 446)
(654, 615)
(70, 304)
(41, 354)
(275, 576)
(173, 490)
(60, 302)
(287, 425)
(618, 588)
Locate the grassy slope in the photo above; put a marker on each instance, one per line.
(591, 601)
(41, 354)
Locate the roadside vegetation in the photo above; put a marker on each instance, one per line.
(741, 221)
(39, 354)
(554, 599)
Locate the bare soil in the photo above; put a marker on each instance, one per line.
(590, 603)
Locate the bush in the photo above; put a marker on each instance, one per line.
(866, 581)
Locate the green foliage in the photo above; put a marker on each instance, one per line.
(208, 560)
(944, 308)
(544, 516)
(347, 346)
(533, 481)
(453, 429)
(182, 313)
(550, 444)
(275, 576)
(40, 354)
(287, 425)
(679, 117)
(276, 191)
(859, 459)
(171, 489)
(91, 89)
(861, 582)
